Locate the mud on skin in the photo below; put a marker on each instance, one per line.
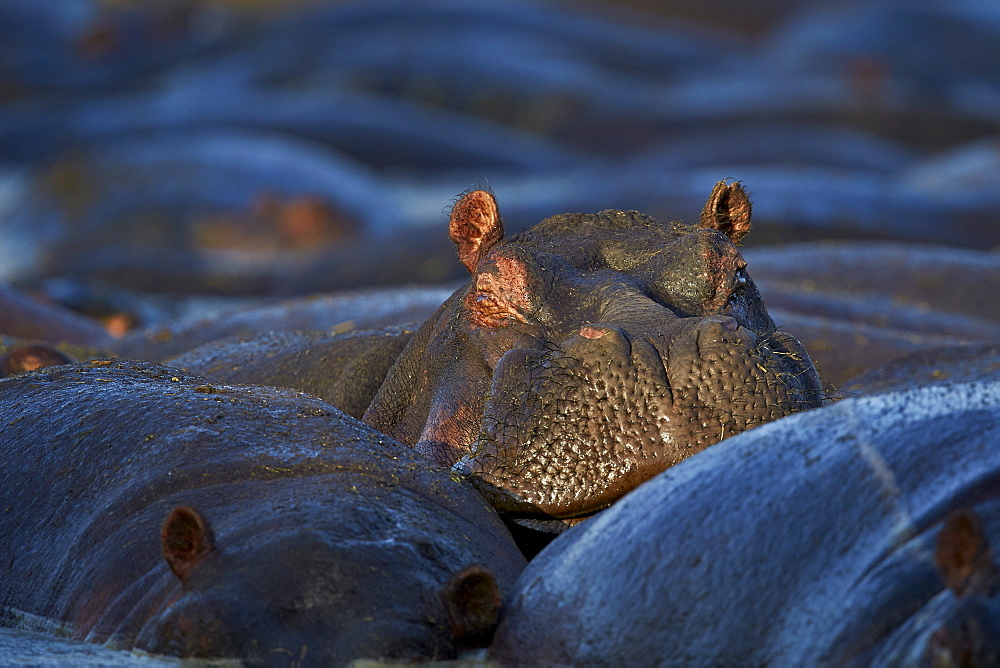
(591, 352)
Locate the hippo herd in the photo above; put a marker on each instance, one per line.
(534, 471)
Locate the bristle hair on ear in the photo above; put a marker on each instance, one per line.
(475, 226)
(485, 187)
(728, 209)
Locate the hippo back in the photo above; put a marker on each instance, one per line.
(808, 540)
(324, 535)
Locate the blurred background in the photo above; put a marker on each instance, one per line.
(151, 150)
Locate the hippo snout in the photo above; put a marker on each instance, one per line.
(552, 441)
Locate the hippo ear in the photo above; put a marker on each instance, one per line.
(186, 538)
(475, 226)
(963, 556)
(728, 210)
(473, 601)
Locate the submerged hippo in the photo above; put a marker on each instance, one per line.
(343, 369)
(865, 533)
(22, 358)
(589, 353)
(858, 305)
(584, 356)
(143, 507)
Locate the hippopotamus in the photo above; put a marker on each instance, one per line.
(858, 305)
(153, 509)
(343, 369)
(342, 312)
(582, 357)
(862, 533)
(24, 358)
(589, 353)
(25, 317)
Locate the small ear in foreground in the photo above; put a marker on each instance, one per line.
(475, 226)
(185, 538)
(472, 598)
(963, 556)
(728, 210)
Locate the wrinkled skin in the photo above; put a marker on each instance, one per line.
(152, 509)
(863, 534)
(589, 353)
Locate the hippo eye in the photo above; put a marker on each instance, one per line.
(739, 284)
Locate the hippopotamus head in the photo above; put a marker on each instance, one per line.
(591, 352)
(324, 599)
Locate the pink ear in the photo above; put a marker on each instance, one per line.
(475, 226)
(186, 538)
(728, 210)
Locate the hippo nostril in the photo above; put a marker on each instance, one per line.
(591, 337)
(719, 324)
(722, 330)
(729, 324)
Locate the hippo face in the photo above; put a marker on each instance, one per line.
(591, 352)
(321, 600)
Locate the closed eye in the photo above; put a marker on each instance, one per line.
(739, 285)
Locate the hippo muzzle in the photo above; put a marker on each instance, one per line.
(568, 430)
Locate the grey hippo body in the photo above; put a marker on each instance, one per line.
(152, 509)
(582, 357)
(864, 533)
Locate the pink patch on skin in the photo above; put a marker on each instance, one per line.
(588, 332)
(448, 432)
(514, 275)
(501, 297)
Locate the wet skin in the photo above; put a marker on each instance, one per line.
(864, 533)
(589, 353)
(154, 509)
